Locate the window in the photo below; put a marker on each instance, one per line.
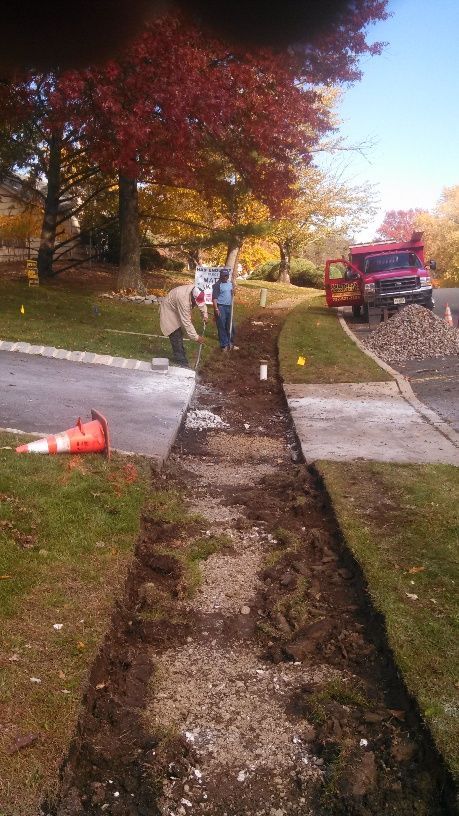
(392, 261)
(337, 271)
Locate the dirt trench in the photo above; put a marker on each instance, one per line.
(244, 672)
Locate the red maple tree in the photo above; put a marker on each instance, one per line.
(399, 225)
(175, 96)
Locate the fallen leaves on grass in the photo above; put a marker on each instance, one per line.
(75, 463)
(130, 473)
(119, 479)
(24, 741)
(27, 541)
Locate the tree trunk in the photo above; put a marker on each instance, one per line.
(284, 267)
(234, 248)
(48, 230)
(129, 275)
(193, 259)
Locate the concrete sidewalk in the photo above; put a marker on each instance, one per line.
(348, 421)
(144, 409)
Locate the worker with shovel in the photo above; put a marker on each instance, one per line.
(222, 299)
(175, 312)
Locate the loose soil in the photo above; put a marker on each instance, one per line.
(263, 686)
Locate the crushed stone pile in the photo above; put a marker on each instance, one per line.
(201, 420)
(412, 334)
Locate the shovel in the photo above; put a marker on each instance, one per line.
(204, 326)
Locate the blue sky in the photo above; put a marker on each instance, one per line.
(407, 104)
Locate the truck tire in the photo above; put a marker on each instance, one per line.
(429, 304)
(365, 312)
(356, 311)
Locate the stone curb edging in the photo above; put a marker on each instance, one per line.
(89, 357)
(405, 389)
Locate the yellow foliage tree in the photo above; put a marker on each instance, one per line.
(21, 226)
(203, 229)
(441, 233)
(322, 203)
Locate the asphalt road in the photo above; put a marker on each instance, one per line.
(444, 296)
(144, 410)
(435, 380)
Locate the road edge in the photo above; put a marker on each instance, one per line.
(405, 389)
(90, 357)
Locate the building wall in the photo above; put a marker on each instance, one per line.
(17, 248)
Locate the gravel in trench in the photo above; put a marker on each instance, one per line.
(224, 700)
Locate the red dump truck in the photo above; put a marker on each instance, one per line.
(385, 274)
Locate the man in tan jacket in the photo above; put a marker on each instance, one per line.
(175, 316)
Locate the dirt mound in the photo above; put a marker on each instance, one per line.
(412, 334)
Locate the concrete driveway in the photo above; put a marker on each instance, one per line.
(434, 380)
(349, 421)
(144, 410)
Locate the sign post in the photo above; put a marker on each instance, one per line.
(206, 276)
(32, 272)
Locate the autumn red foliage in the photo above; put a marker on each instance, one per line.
(176, 97)
(174, 93)
(399, 225)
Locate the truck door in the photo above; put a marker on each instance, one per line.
(343, 283)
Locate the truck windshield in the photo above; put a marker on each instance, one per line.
(392, 260)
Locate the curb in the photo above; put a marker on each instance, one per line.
(89, 357)
(405, 389)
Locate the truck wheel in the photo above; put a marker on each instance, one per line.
(429, 304)
(356, 310)
(365, 312)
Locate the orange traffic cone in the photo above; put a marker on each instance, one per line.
(448, 315)
(90, 437)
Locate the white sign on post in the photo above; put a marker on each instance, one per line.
(206, 276)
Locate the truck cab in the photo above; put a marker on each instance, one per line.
(385, 274)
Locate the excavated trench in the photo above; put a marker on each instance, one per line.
(244, 671)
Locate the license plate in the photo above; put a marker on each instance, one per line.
(399, 300)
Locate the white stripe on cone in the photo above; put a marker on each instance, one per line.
(40, 446)
(448, 315)
(62, 443)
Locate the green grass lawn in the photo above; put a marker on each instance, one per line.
(67, 528)
(402, 524)
(62, 316)
(277, 291)
(312, 330)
